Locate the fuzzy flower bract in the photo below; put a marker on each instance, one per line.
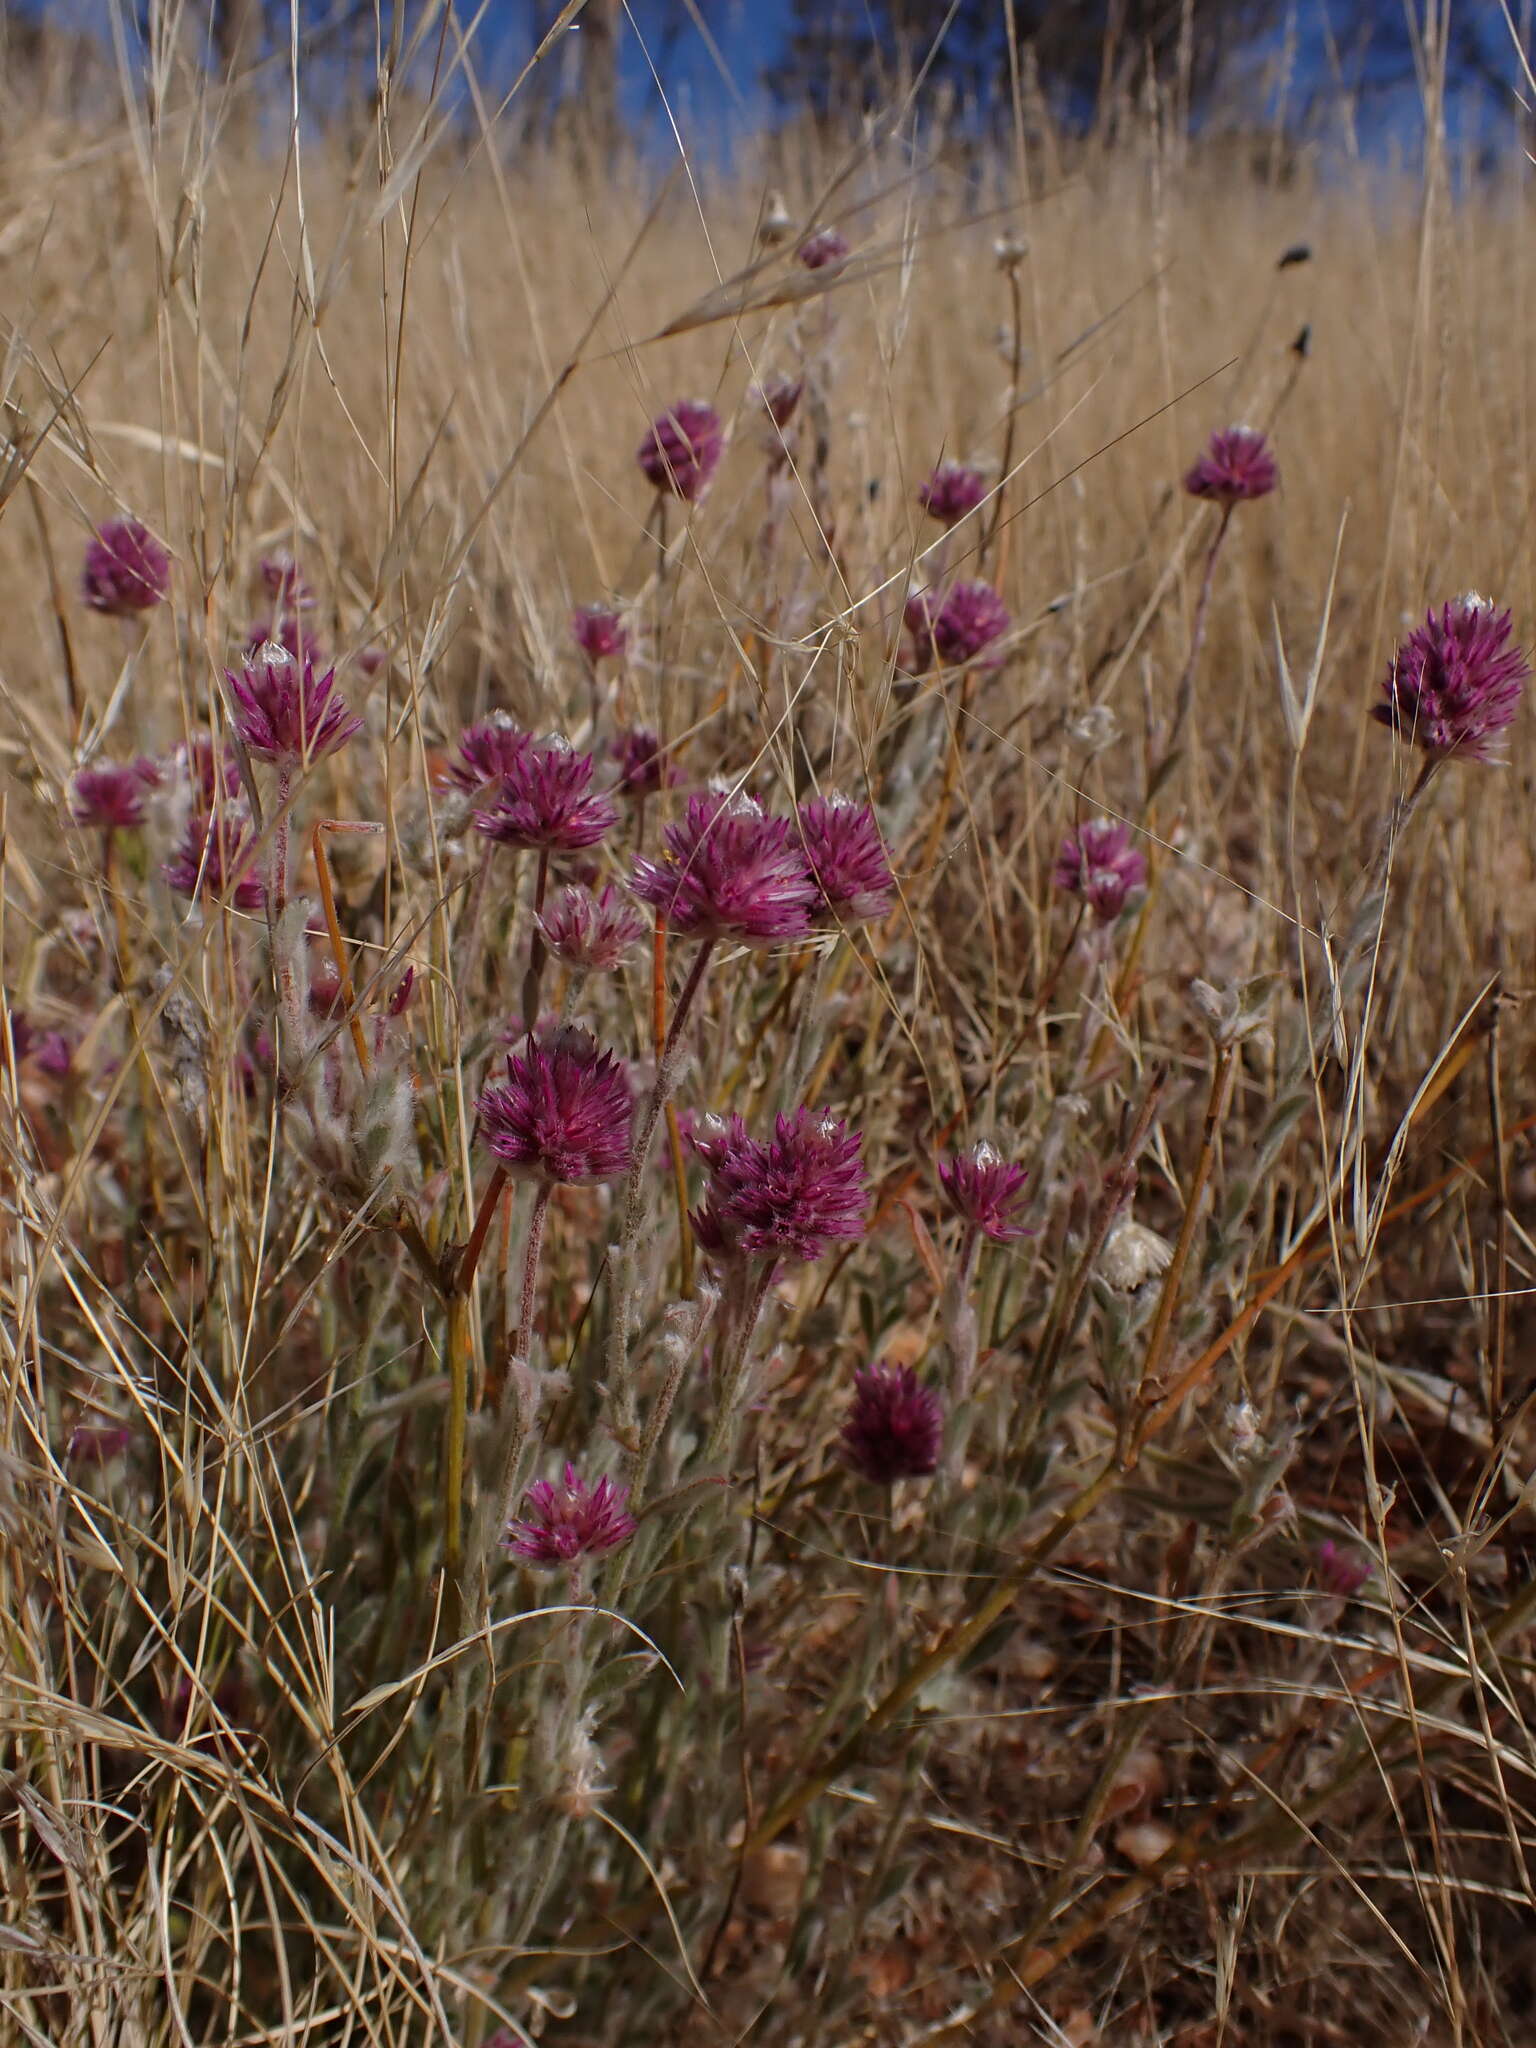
(285, 713)
(126, 570)
(545, 801)
(216, 857)
(1100, 863)
(986, 1190)
(791, 1197)
(730, 872)
(1238, 464)
(1455, 684)
(847, 860)
(894, 1428)
(592, 933)
(951, 492)
(682, 450)
(565, 1519)
(563, 1112)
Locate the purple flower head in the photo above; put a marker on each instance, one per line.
(563, 1112)
(847, 859)
(593, 934)
(211, 775)
(216, 857)
(729, 872)
(110, 798)
(951, 492)
(544, 801)
(48, 1050)
(1237, 464)
(791, 1198)
(96, 1443)
(683, 448)
(643, 764)
(822, 250)
(126, 570)
(486, 753)
(600, 632)
(290, 631)
(779, 397)
(956, 627)
(1341, 1569)
(1099, 863)
(894, 1428)
(285, 583)
(1455, 684)
(565, 1519)
(987, 1191)
(284, 713)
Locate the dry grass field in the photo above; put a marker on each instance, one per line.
(1183, 1693)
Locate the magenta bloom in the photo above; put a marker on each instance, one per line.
(847, 859)
(729, 872)
(953, 629)
(987, 1191)
(566, 1519)
(285, 583)
(1100, 863)
(284, 713)
(1341, 1570)
(96, 1443)
(593, 934)
(486, 753)
(779, 397)
(110, 798)
(951, 492)
(216, 857)
(683, 448)
(48, 1050)
(563, 1112)
(894, 1427)
(210, 775)
(126, 570)
(600, 632)
(1237, 464)
(1455, 684)
(545, 801)
(823, 249)
(643, 764)
(791, 1198)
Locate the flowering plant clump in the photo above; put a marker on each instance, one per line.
(126, 570)
(593, 933)
(1238, 464)
(987, 1191)
(285, 713)
(682, 450)
(1100, 863)
(563, 1112)
(847, 860)
(951, 492)
(894, 1428)
(216, 857)
(728, 871)
(1455, 685)
(545, 800)
(949, 629)
(565, 1519)
(790, 1197)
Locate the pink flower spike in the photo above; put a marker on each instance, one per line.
(894, 1428)
(545, 802)
(729, 872)
(486, 753)
(791, 1198)
(216, 857)
(286, 715)
(847, 859)
(956, 627)
(565, 1519)
(110, 797)
(643, 765)
(682, 450)
(563, 1113)
(952, 492)
(126, 570)
(987, 1191)
(600, 633)
(1100, 864)
(1237, 465)
(1455, 685)
(593, 934)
